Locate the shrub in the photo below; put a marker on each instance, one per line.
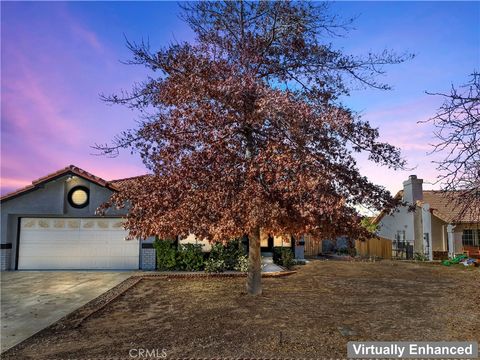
(216, 252)
(166, 254)
(213, 265)
(277, 255)
(287, 258)
(283, 256)
(190, 257)
(231, 253)
(242, 263)
(420, 257)
(352, 251)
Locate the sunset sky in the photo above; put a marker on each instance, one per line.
(57, 58)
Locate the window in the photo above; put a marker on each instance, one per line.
(468, 237)
(78, 197)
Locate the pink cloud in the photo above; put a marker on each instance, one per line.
(399, 125)
(30, 105)
(11, 183)
(51, 115)
(87, 36)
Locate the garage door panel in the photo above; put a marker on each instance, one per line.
(59, 243)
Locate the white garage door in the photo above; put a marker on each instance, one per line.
(67, 243)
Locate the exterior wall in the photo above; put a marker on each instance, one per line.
(417, 226)
(48, 200)
(439, 234)
(457, 239)
(148, 254)
(400, 220)
(5, 256)
(278, 240)
(457, 235)
(148, 258)
(411, 222)
(192, 239)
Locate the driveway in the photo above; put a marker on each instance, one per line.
(33, 300)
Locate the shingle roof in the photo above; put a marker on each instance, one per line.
(69, 170)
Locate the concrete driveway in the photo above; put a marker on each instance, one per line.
(33, 300)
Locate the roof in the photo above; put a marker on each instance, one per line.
(120, 183)
(443, 204)
(69, 170)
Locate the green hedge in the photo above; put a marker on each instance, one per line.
(283, 256)
(189, 257)
(166, 254)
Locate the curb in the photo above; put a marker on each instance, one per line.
(207, 275)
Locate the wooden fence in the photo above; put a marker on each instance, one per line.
(313, 246)
(379, 247)
(374, 247)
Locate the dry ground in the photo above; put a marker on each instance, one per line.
(298, 316)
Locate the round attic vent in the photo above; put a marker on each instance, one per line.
(78, 197)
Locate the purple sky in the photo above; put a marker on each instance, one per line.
(58, 57)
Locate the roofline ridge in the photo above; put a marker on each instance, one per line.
(68, 169)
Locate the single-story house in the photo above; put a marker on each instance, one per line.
(429, 224)
(52, 225)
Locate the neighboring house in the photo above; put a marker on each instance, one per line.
(52, 224)
(429, 224)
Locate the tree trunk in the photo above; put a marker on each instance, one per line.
(254, 277)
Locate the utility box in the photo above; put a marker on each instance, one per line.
(300, 249)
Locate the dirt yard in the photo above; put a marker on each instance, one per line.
(311, 314)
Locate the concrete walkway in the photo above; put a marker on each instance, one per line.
(269, 267)
(33, 300)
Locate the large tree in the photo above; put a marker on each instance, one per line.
(457, 130)
(243, 129)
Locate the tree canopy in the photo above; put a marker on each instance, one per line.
(457, 130)
(243, 128)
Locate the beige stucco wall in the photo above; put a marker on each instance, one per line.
(278, 240)
(192, 239)
(439, 234)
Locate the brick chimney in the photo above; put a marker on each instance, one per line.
(412, 189)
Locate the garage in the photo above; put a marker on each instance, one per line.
(75, 243)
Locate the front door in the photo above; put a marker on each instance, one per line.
(266, 243)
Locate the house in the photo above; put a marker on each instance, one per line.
(52, 224)
(429, 224)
